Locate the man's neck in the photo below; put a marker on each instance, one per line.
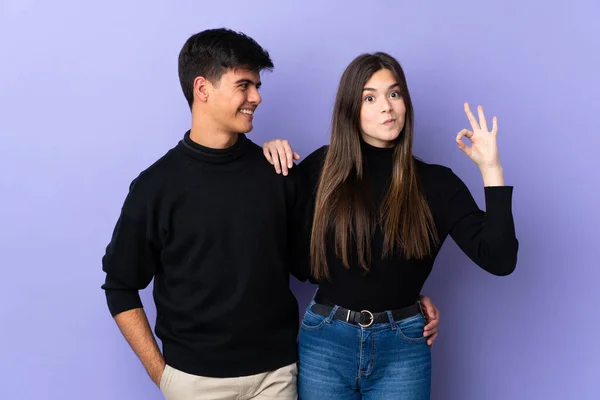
(213, 140)
(211, 137)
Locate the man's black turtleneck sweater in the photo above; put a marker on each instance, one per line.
(211, 228)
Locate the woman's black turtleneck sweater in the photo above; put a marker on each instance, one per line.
(487, 238)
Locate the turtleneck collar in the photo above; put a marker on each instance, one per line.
(376, 155)
(208, 154)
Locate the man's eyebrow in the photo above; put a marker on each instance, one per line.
(245, 80)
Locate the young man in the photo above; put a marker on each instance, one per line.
(210, 222)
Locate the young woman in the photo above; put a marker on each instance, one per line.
(379, 218)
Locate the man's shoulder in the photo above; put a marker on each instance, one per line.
(153, 178)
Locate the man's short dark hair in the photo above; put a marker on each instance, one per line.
(212, 52)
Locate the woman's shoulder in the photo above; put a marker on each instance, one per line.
(430, 169)
(310, 167)
(314, 161)
(436, 176)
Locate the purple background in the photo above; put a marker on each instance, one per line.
(89, 96)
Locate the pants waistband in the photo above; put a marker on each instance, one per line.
(363, 318)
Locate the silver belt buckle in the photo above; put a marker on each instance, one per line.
(371, 319)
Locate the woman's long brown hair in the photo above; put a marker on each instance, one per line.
(342, 204)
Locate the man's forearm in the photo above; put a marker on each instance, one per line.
(136, 329)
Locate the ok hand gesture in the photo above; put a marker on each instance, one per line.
(484, 148)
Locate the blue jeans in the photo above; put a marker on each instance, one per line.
(342, 361)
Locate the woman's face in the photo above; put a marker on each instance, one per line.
(382, 112)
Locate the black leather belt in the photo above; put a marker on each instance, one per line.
(363, 318)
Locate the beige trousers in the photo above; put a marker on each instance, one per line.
(279, 384)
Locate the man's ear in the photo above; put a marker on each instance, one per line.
(201, 88)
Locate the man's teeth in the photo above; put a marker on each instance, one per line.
(249, 112)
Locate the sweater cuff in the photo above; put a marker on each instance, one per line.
(122, 300)
(498, 197)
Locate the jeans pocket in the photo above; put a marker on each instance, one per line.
(311, 321)
(411, 329)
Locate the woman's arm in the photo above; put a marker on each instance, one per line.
(488, 238)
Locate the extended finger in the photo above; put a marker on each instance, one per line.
(289, 154)
(267, 153)
(276, 162)
(482, 120)
(494, 125)
(282, 158)
(471, 117)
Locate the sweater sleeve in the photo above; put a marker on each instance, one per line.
(307, 178)
(131, 258)
(298, 239)
(487, 238)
